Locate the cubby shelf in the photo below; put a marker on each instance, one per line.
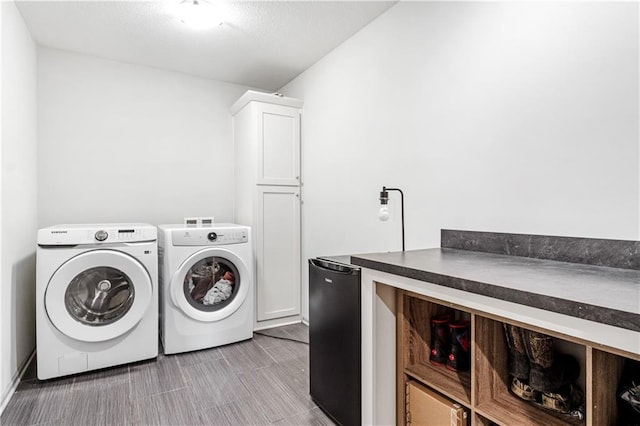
(450, 384)
(484, 390)
(493, 398)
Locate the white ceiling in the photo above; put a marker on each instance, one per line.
(262, 44)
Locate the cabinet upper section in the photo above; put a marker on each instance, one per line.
(267, 140)
(270, 98)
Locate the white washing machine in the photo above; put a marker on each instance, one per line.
(97, 297)
(206, 286)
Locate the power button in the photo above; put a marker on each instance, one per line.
(212, 236)
(101, 235)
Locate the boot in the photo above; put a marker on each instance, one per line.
(522, 390)
(440, 338)
(518, 361)
(567, 399)
(629, 394)
(519, 364)
(548, 371)
(459, 358)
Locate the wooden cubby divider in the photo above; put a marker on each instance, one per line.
(605, 371)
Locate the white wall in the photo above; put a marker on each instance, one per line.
(126, 143)
(491, 116)
(18, 197)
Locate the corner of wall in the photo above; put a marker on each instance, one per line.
(18, 197)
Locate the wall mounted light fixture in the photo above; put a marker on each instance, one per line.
(383, 214)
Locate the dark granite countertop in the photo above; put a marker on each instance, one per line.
(602, 294)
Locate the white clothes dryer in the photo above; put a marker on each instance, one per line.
(206, 286)
(97, 297)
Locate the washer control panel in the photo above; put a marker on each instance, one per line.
(96, 234)
(209, 236)
(118, 235)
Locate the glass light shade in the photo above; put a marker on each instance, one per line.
(198, 14)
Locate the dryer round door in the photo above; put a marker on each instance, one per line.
(210, 285)
(98, 295)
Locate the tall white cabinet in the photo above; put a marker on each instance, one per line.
(267, 198)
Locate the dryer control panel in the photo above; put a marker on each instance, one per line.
(209, 236)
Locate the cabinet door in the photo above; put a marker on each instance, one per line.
(278, 145)
(277, 252)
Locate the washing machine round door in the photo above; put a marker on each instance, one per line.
(210, 285)
(98, 295)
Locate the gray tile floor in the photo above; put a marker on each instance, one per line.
(256, 382)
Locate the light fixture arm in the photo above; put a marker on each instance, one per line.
(384, 199)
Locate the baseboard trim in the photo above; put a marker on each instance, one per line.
(15, 381)
(278, 322)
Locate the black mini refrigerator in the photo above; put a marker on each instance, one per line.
(334, 339)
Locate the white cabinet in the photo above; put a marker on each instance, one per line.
(278, 252)
(278, 145)
(267, 198)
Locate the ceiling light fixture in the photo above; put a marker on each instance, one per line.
(198, 14)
